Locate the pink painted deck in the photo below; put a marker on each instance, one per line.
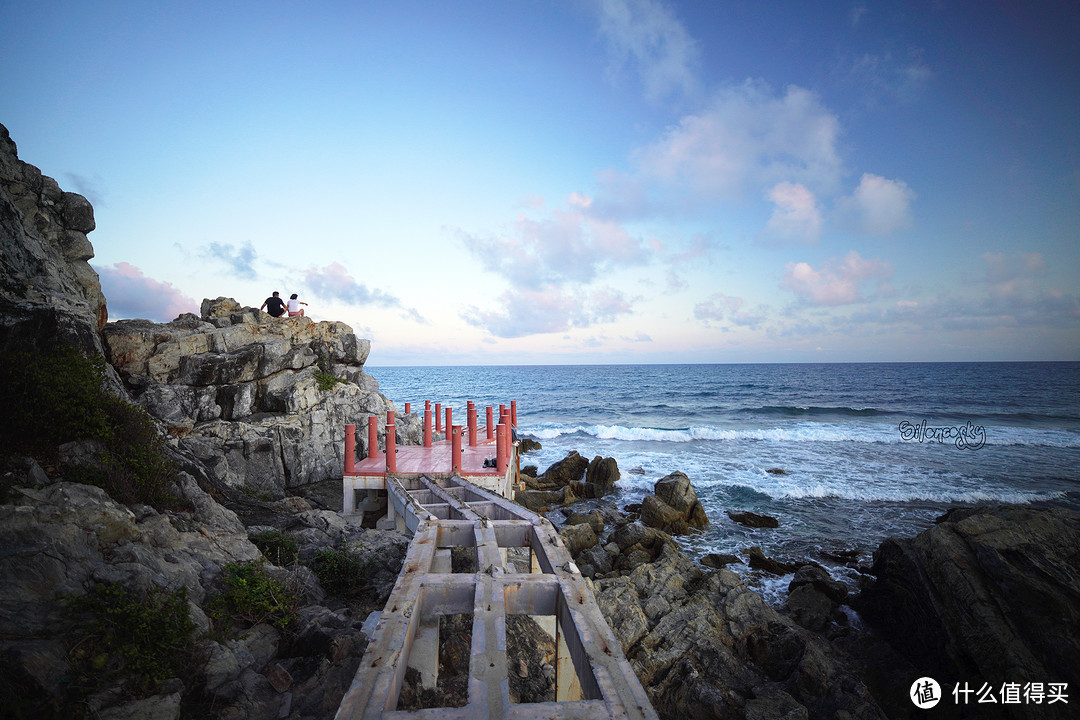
(420, 460)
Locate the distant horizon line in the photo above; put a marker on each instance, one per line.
(805, 362)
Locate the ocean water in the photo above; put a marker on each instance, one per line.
(866, 450)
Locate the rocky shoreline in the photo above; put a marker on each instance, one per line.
(253, 433)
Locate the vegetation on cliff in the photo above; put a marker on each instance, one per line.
(56, 397)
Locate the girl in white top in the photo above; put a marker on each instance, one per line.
(294, 306)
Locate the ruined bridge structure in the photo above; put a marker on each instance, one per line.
(443, 510)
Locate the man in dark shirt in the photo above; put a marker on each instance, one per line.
(274, 305)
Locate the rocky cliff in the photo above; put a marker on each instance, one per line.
(263, 402)
(48, 290)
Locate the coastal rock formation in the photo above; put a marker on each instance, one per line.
(241, 391)
(990, 594)
(706, 646)
(48, 290)
(675, 507)
(569, 480)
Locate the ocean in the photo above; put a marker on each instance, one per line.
(857, 452)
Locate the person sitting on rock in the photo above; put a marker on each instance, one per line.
(294, 306)
(274, 305)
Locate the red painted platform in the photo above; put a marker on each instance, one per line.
(420, 460)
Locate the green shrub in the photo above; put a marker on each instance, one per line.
(324, 376)
(57, 397)
(118, 633)
(251, 596)
(341, 572)
(280, 548)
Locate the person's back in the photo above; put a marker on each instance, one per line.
(274, 305)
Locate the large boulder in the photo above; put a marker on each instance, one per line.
(990, 594)
(675, 507)
(50, 294)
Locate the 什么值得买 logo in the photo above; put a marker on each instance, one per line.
(965, 437)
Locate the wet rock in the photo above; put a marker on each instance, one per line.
(819, 578)
(759, 561)
(675, 507)
(719, 560)
(570, 469)
(527, 445)
(776, 471)
(752, 519)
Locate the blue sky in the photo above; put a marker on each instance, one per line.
(601, 181)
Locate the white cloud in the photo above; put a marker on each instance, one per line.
(719, 307)
(748, 138)
(646, 35)
(548, 309)
(796, 216)
(130, 294)
(878, 206)
(566, 245)
(333, 282)
(838, 282)
(240, 260)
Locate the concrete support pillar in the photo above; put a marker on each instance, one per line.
(391, 442)
(348, 496)
(372, 436)
(448, 425)
(350, 449)
(490, 424)
(408, 408)
(427, 427)
(472, 425)
(438, 417)
(513, 413)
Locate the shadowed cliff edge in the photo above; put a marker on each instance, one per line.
(257, 588)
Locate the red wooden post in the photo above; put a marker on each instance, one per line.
(490, 425)
(350, 449)
(513, 413)
(391, 442)
(372, 436)
(500, 448)
(427, 426)
(472, 425)
(438, 417)
(449, 424)
(408, 408)
(455, 449)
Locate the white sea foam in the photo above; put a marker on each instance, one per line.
(799, 432)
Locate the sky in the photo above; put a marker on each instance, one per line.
(557, 182)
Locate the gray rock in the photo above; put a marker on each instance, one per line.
(675, 507)
(754, 520)
(50, 294)
(990, 592)
(820, 579)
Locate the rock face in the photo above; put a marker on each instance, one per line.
(989, 594)
(240, 391)
(706, 646)
(675, 507)
(569, 480)
(49, 292)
